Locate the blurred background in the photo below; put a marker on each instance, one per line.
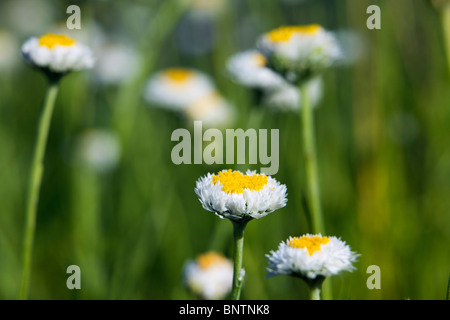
(114, 203)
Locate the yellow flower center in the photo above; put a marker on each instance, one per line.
(178, 76)
(52, 40)
(259, 60)
(209, 259)
(236, 182)
(312, 244)
(284, 34)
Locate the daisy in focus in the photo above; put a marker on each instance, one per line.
(299, 52)
(190, 92)
(312, 258)
(240, 197)
(209, 276)
(57, 54)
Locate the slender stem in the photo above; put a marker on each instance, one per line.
(309, 152)
(311, 167)
(315, 287)
(315, 293)
(37, 169)
(238, 248)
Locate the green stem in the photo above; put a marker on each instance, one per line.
(315, 293)
(311, 167)
(37, 169)
(309, 153)
(315, 287)
(238, 248)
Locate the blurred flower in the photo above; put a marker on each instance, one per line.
(311, 256)
(98, 149)
(240, 197)
(56, 53)
(288, 97)
(176, 88)
(249, 68)
(299, 52)
(118, 63)
(212, 110)
(8, 52)
(190, 92)
(209, 276)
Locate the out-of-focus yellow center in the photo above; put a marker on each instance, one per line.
(312, 244)
(51, 40)
(284, 34)
(236, 182)
(259, 60)
(209, 259)
(177, 75)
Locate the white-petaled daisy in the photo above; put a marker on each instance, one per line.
(311, 256)
(249, 68)
(299, 52)
(209, 276)
(240, 197)
(212, 109)
(98, 149)
(177, 88)
(57, 53)
(288, 97)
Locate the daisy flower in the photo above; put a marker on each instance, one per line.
(299, 52)
(190, 92)
(57, 54)
(177, 88)
(249, 68)
(240, 197)
(312, 258)
(209, 276)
